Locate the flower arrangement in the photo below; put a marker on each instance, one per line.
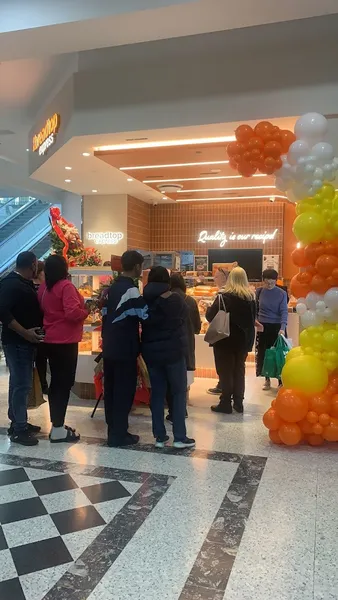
(66, 240)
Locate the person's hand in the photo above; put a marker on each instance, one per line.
(281, 332)
(259, 326)
(34, 335)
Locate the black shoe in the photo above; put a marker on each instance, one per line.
(160, 443)
(186, 443)
(169, 418)
(227, 410)
(129, 440)
(238, 407)
(31, 428)
(44, 389)
(25, 438)
(214, 391)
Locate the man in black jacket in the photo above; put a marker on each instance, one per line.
(21, 319)
(121, 347)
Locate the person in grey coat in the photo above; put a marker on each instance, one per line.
(193, 325)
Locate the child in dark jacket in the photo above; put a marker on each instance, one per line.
(164, 349)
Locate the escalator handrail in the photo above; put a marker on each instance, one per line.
(19, 211)
(24, 224)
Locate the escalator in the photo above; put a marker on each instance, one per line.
(16, 212)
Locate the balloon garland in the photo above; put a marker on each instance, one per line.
(306, 407)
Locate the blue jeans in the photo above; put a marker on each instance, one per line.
(19, 358)
(176, 376)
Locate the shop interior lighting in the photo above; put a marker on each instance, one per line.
(172, 165)
(167, 143)
(85, 153)
(94, 191)
(68, 168)
(228, 189)
(130, 179)
(68, 180)
(211, 177)
(229, 198)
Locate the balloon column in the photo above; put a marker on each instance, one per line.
(306, 407)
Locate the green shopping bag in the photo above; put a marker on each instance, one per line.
(274, 358)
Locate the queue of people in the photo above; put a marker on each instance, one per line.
(42, 316)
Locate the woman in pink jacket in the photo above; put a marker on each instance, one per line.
(63, 316)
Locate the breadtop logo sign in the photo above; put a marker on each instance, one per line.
(47, 135)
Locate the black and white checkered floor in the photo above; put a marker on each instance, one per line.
(47, 520)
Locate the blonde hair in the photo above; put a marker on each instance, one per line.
(238, 284)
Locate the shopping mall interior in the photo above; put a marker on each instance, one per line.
(123, 126)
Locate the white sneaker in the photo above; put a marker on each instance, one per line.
(161, 443)
(267, 386)
(186, 443)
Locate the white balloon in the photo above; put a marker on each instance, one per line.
(331, 298)
(284, 158)
(318, 173)
(301, 308)
(301, 301)
(281, 184)
(311, 300)
(311, 319)
(323, 152)
(311, 126)
(329, 167)
(320, 306)
(328, 315)
(309, 168)
(298, 149)
(317, 184)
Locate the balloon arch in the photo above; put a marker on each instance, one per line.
(306, 407)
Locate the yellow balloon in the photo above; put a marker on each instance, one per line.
(309, 227)
(330, 340)
(294, 352)
(327, 191)
(307, 374)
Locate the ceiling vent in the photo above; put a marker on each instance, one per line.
(169, 188)
(6, 132)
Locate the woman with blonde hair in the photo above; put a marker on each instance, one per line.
(231, 352)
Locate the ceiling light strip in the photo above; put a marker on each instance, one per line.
(167, 143)
(231, 198)
(228, 189)
(211, 177)
(172, 165)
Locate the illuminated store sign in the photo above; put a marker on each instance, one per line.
(223, 238)
(105, 238)
(47, 136)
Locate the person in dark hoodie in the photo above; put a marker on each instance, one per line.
(164, 349)
(21, 322)
(124, 309)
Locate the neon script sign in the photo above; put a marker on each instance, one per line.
(105, 238)
(223, 238)
(47, 136)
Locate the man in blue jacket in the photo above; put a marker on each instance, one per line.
(121, 347)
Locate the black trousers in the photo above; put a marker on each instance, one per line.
(219, 376)
(62, 363)
(120, 378)
(41, 365)
(230, 365)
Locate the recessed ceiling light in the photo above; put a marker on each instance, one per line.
(27, 149)
(85, 153)
(130, 179)
(94, 191)
(68, 168)
(164, 198)
(168, 143)
(68, 180)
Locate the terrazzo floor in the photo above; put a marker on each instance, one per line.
(235, 519)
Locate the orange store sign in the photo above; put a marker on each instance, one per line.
(47, 136)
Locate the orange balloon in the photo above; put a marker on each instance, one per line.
(298, 289)
(305, 426)
(291, 406)
(335, 274)
(255, 144)
(334, 406)
(330, 433)
(333, 380)
(330, 248)
(243, 133)
(273, 404)
(331, 282)
(272, 420)
(286, 139)
(318, 284)
(273, 149)
(275, 437)
(304, 277)
(264, 129)
(326, 263)
(313, 251)
(324, 419)
(315, 440)
(290, 434)
(299, 258)
(319, 404)
(312, 417)
(318, 429)
(235, 148)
